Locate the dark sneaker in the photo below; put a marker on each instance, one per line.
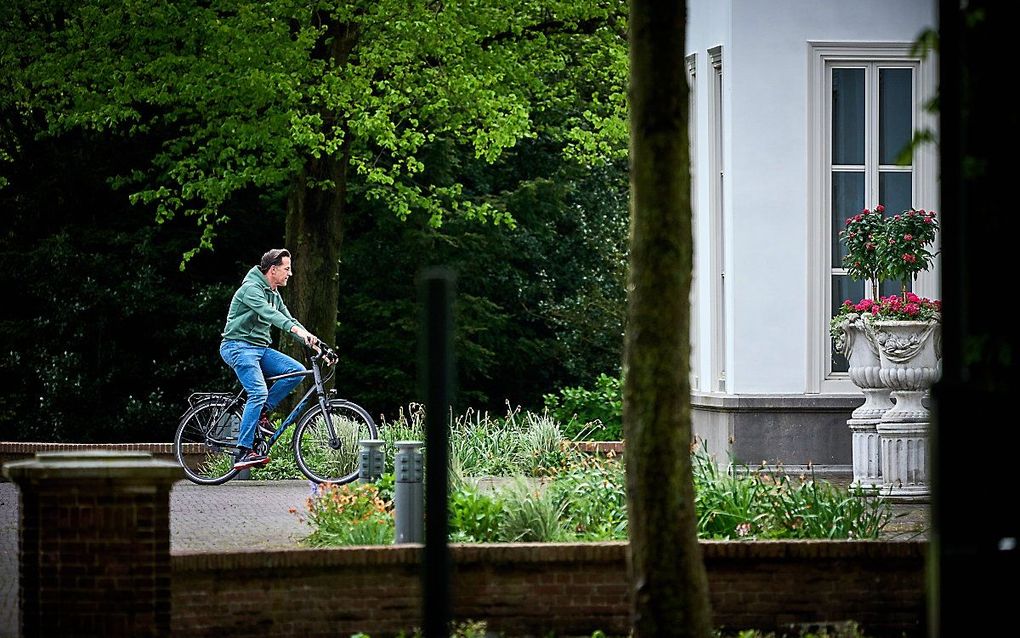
(250, 458)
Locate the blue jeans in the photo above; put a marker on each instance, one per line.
(253, 364)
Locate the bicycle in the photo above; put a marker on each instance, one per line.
(326, 439)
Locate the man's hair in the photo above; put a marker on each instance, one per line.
(273, 257)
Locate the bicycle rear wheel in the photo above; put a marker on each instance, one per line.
(206, 440)
(338, 462)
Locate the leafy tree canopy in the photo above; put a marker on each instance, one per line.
(243, 94)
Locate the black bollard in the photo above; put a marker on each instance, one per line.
(436, 286)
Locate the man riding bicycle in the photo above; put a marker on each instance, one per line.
(255, 307)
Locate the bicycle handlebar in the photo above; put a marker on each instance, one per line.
(322, 351)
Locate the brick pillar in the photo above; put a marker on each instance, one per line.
(94, 543)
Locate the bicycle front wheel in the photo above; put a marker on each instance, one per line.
(206, 440)
(332, 461)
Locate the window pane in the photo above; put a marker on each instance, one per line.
(848, 116)
(847, 201)
(887, 288)
(895, 113)
(843, 288)
(894, 191)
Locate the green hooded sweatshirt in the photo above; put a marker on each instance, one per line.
(254, 308)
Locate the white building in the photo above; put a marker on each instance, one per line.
(799, 109)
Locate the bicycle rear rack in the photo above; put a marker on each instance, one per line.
(197, 397)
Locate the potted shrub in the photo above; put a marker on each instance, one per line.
(892, 342)
(881, 248)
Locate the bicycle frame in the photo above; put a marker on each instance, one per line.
(299, 409)
(317, 389)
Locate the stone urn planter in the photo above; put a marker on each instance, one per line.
(910, 353)
(857, 344)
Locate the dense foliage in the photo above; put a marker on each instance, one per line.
(105, 336)
(117, 114)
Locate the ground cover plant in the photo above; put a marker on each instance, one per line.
(516, 479)
(480, 629)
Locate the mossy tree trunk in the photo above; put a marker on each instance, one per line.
(669, 584)
(314, 227)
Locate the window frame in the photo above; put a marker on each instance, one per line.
(692, 130)
(823, 56)
(717, 226)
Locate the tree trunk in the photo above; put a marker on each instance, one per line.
(314, 237)
(315, 215)
(669, 584)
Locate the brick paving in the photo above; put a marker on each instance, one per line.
(252, 515)
(8, 560)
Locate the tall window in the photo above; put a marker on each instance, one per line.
(871, 125)
(865, 105)
(692, 129)
(717, 217)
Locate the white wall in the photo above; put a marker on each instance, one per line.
(765, 103)
(712, 20)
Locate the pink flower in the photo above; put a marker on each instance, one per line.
(928, 220)
(908, 237)
(907, 257)
(865, 211)
(880, 208)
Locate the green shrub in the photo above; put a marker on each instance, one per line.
(593, 491)
(531, 514)
(474, 516)
(765, 503)
(482, 445)
(590, 414)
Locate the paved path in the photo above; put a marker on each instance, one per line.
(237, 515)
(248, 515)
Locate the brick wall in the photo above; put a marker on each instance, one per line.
(94, 540)
(18, 450)
(535, 589)
(97, 563)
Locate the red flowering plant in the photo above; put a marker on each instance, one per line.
(863, 235)
(881, 248)
(908, 307)
(904, 249)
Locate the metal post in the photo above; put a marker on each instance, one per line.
(408, 497)
(437, 382)
(372, 463)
